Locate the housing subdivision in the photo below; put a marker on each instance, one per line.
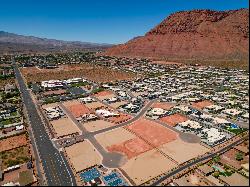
(18, 164)
(130, 121)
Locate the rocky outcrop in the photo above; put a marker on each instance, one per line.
(197, 34)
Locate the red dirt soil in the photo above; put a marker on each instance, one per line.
(54, 92)
(152, 132)
(165, 106)
(120, 119)
(202, 104)
(78, 110)
(150, 135)
(196, 34)
(103, 93)
(13, 142)
(172, 120)
(131, 148)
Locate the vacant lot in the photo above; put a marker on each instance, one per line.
(96, 125)
(64, 126)
(202, 104)
(118, 104)
(8, 81)
(120, 119)
(163, 105)
(131, 148)
(94, 73)
(181, 151)
(174, 119)
(13, 142)
(113, 137)
(147, 166)
(76, 108)
(83, 155)
(15, 156)
(52, 105)
(152, 132)
(104, 94)
(54, 92)
(94, 105)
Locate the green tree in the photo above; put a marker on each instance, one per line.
(216, 159)
(239, 156)
(216, 174)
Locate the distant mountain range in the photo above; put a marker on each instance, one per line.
(196, 34)
(14, 43)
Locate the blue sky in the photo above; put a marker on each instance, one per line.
(101, 21)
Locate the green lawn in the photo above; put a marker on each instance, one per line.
(79, 84)
(236, 131)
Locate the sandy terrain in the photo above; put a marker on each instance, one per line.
(174, 119)
(83, 155)
(152, 132)
(54, 92)
(94, 73)
(97, 125)
(202, 104)
(94, 105)
(76, 108)
(150, 135)
(64, 126)
(120, 119)
(175, 150)
(104, 95)
(147, 166)
(131, 148)
(13, 142)
(116, 136)
(117, 104)
(163, 105)
(50, 105)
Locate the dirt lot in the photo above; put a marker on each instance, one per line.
(174, 119)
(15, 156)
(230, 156)
(113, 137)
(120, 119)
(55, 92)
(202, 104)
(64, 126)
(94, 105)
(175, 150)
(93, 126)
(147, 166)
(117, 104)
(94, 73)
(163, 105)
(152, 132)
(4, 82)
(82, 156)
(13, 142)
(131, 148)
(104, 94)
(76, 108)
(50, 105)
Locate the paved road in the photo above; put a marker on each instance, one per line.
(239, 123)
(56, 168)
(180, 169)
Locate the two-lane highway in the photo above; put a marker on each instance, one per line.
(55, 166)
